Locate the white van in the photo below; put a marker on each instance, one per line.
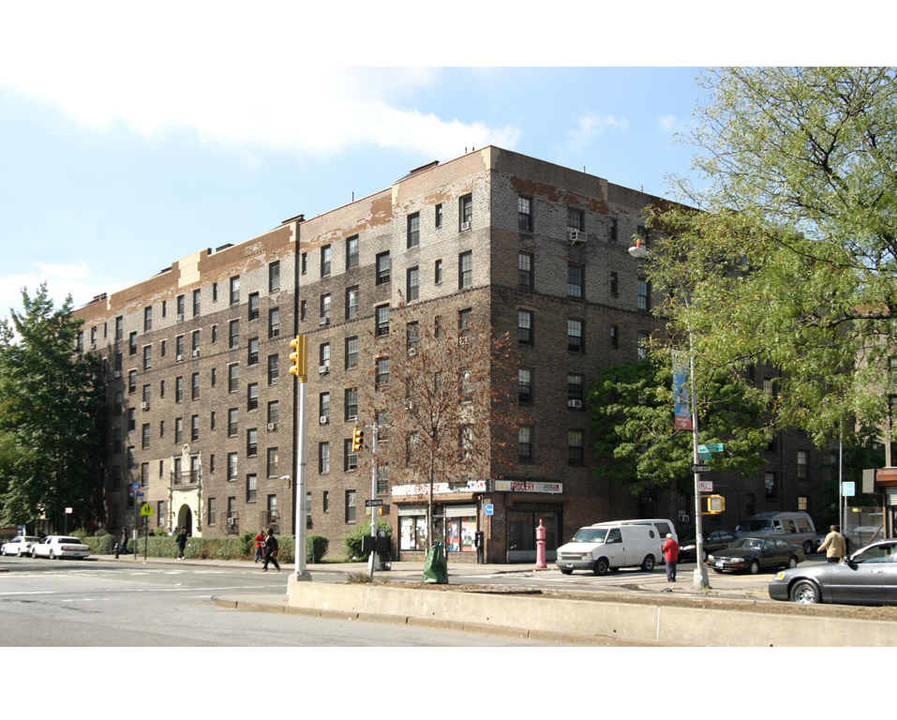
(662, 525)
(609, 546)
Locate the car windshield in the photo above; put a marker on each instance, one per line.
(69, 540)
(590, 535)
(749, 543)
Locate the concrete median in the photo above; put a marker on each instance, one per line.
(623, 618)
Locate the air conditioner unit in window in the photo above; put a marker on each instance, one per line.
(324, 419)
(575, 236)
(196, 352)
(272, 426)
(231, 521)
(465, 226)
(144, 406)
(180, 317)
(409, 405)
(324, 320)
(574, 403)
(275, 332)
(412, 352)
(324, 369)
(179, 357)
(117, 374)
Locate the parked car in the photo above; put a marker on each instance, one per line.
(713, 541)
(868, 577)
(610, 546)
(59, 546)
(20, 545)
(753, 554)
(795, 527)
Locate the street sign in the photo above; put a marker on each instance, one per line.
(135, 486)
(68, 511)
(376, 502)
(146, 510)
(489, 509)
(700, 468)
(705, 456)
(848, 489)
(711, 448)
(705, 486)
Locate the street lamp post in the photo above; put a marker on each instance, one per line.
(700, 579)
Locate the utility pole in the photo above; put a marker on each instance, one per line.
(373, 560)
(299, 368)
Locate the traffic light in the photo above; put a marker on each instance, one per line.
(297, 358)
(357, 439)
(716, 504)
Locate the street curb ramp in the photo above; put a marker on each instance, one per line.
(703, 623)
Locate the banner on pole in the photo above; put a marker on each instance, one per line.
(681, 391)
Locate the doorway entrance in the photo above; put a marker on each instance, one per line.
(185, 519)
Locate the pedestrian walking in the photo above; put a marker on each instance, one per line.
(124, 540)
(260, 545)
(181, 541)
(835, 545)
(671, 557)
(271, 547)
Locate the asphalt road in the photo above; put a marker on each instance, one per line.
(94, 604)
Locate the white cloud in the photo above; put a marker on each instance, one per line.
(590, 127)
(62, 280)
(667, 123)
(241, 79)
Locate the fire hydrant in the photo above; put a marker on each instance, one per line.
(540, 546)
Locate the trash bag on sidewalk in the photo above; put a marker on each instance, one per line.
(435, 567)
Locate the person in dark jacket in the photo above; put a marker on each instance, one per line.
(671, 556)
(182, 542)
(271, 546)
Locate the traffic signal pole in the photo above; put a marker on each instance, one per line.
(373, 563)
(298, 367)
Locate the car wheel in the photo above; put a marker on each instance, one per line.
(805, 592)
(809, 548)
(648, 563)
(601, 566)
(755, 567)
(567, 571)
(792, 562)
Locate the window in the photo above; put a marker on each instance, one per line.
(326, 259)
(274, 322)
(273, 369)
(194, 386)
(465, 270)
(615, 336)
(464, 322)
(644, 295)
(382, 479)
(324, 306)
(575, 453)
(802, 502)
(438, 221)
(214, 334)
(252, 442)
(210, 511)
(352, 252)
(179, 348)
(575, 386)
(381, 419)
(274, 276)
(351, 404)
(132, 381)
(466, 387)
(614, 284)
(802, 465)
(382, 315)
(252, 487)
(214, 292)
(525, 271)
(325, 501)
(253, 306)
(197, 302)
(304, 263)
(465, 442)
(179, 305)
(147, 322)
(575, 339)
(382, 376)
(525, 443)
(132, 343)
(413, 231)
(465, 212)
(350, 506)
(232, 466)
(383, 267)
(144, 473)
(272, 508)
(273, 412)
(179, 389)
(194, 342)
(614, 229)
(147, 357)
(233, 334)
(412, 337)
(524, 214)
(161, 352)
(351, 352)
(178, 430)
(233, 423)
(437, 272)
(525, 327)
(119, 327)
(194, 428)
(350, 457)
(575, 280)
(212, 417)
(252, 396)
(769, 484)
(213, 376)
(525, 385)
(324, 406)
(323, 457)
(412, 284)
(576, 218)
(642, 347)
(324, 354)
(253, 354)
(235, 290)
(352, 303)
(145, 436)
(233, 377)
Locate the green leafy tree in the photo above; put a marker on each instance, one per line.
(790, 259)
(50, 407)
(637, 443)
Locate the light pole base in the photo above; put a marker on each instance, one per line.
(699, 579)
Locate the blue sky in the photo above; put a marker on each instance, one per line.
(129, 139)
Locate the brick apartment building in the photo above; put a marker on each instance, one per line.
(203, 412)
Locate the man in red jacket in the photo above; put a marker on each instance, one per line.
(671, 556)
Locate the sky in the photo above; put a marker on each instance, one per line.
(131, 136)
